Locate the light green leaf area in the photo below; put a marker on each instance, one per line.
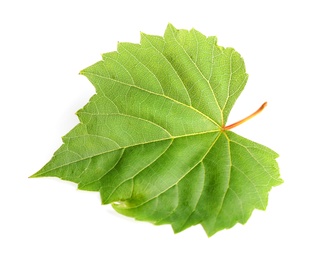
(152, 139)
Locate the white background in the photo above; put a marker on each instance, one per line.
(43, 46)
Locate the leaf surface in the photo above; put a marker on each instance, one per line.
(152, 139)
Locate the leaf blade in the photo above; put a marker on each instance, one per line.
(153, 141)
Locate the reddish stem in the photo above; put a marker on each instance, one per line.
(245, 119)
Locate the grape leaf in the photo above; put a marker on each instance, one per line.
(153, 140)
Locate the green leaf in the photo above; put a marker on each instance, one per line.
(153, 139)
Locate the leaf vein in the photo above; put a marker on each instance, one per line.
(202, 75)
(184, 175)
(172, 67)
(136, 174)
(157, 94)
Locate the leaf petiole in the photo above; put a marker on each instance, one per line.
(245, 119)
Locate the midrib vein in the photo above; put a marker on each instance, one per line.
(124, 147)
